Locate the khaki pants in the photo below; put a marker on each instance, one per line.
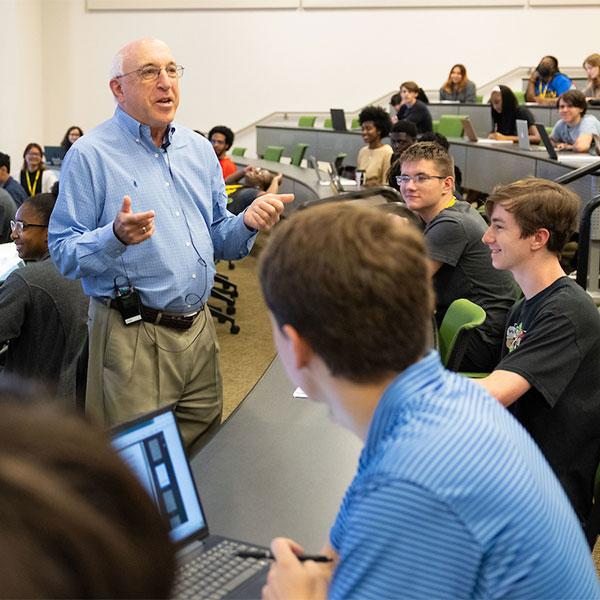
(138, 368)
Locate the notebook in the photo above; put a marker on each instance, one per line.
(523, 133)
(151, 445)
(54, 155)
(470, 134)
(338, 119)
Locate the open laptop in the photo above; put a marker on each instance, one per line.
(523, 134)
(569, 158)
(151, 445)
(469, 133)
(338, 119)
(54, 155)
(340, 183)
(312, 161)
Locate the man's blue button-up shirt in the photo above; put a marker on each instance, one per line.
(182, 183)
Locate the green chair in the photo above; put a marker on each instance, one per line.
(355, 123)
(298, 154)
(306, 121)
(238, 151)
(549, 130)
(479, 99)
(520, 95)
(273, 153)
(460, 319)
(435, 125)
(327, 123)
(451, 125)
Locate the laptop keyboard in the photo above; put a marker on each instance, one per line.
(216, 572)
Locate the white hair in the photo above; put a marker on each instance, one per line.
(116, 67)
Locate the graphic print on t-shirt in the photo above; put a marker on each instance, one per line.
(514, 336)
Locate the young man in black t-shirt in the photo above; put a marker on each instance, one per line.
(549, 373)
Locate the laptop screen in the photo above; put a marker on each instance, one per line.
(338, 119)
(152, 447)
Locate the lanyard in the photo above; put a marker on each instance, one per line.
(543, 90)
(451, 203)
(29, 187)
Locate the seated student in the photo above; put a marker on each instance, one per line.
(458, 87)
(14, 188)
(575, 129)
(74, 520)
(256, 182)
(35, 178)
(43, 316)
(8, 209)
(221, 138)
(505, 112)
(374, 158)
(592, 67)
(395, 103)
(71, 136)
(451, 499)
(402, 135)
(548, 373)
(459, 261)
(546, 82)
(413, 109)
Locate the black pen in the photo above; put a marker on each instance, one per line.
(268, 555)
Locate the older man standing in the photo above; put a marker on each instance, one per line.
(140, 216)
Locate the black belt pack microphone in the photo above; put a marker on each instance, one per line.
(128, 303)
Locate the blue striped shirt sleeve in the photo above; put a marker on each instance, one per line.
(397, 539)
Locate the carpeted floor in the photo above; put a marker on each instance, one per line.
(246, 355)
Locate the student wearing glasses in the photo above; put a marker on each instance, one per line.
(459, 261)
(43, 316)
(221, 138)
(35, 178)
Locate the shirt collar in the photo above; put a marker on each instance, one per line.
(139, 130)
(404, 393)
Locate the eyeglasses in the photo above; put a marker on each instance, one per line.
(420, 179)
(152, 72)
(19, 226)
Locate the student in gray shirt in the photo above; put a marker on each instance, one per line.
(458, 87)
(575, 129)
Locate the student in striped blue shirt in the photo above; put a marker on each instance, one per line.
(452, 498)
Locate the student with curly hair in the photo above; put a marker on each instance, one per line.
(374, 158)
(221, 138)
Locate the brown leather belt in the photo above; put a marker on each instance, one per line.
(157, 317)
